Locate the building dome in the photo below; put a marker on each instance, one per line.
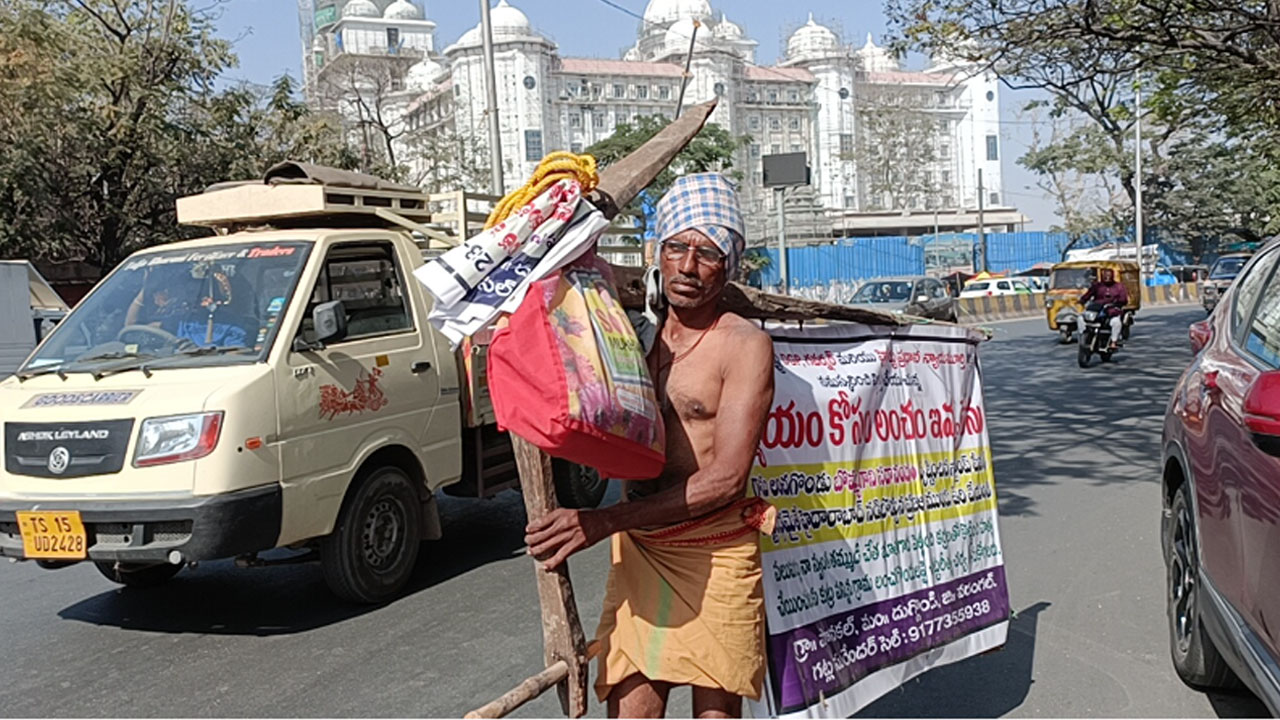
(661, 12)
(728, 30)
(811, 41)
(422, 75)
(677, 38)
(361, 8)
(402, 10)
(875, 58)
(508, 21)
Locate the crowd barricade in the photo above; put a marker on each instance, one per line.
(1008, 307)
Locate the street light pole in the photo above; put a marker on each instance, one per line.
(1137, 175)
(491, 83)
(782, 242)
(982, 228)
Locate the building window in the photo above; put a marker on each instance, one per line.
(990, 96)
(793, 96)
(846, 145)
(775, 123)
(944, 152)
(597, 120)
(994, 198)
(533, 145)
(775, 149)
(752, 96)
(946, 177)
(849, 201)
(575, 148)
(758, 177)
(718, 89)
(393, 40)
(993, 147)
(844, 95)
(795, 147)
(755, 150)
(642, 92)
(795, 123)
(773, 96)
(529, 82)
(575, 120)
(664, 92)
(754, 122)
(619, 90)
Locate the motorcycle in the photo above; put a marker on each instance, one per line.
(1095, 333)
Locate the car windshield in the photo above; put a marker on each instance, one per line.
(1073, 278)
(980, 285)
(1227, 268)
(207, 306)
(883, 292)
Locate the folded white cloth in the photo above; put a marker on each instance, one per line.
(490, 273)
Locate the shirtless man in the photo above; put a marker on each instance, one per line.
(684, 603)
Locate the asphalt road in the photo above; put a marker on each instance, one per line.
(1078, 480)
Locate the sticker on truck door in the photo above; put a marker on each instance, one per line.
(366, 396)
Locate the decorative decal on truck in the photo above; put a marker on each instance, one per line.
(366, 396)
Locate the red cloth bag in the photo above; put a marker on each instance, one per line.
(568, 374)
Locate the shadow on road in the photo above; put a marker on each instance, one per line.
(965, 689)
(218, 598)
(1112, 411)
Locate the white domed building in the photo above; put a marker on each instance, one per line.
(820, 99)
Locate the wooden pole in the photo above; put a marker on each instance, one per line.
(562, 636)
(523, 693)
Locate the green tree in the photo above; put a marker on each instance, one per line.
(109, 113)
(711, 150)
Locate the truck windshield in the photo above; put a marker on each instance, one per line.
(213, 305)
(1072, 278)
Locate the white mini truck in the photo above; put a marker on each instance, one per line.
(276, 385)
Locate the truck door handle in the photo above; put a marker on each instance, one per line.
(420, 367)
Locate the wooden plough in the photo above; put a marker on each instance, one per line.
(565, 651)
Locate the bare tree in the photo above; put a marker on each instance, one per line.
(896, 151)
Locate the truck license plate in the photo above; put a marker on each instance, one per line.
(52, 535)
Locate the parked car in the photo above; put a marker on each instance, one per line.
(1220, 527)
(1224, 271)
(994, 286)
(913, 295)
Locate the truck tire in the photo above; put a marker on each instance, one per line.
(133, 575)
(577, 487)
(373, 548)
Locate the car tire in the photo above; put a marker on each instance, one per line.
(1195, 659)
(373, 548)
(134, 575)
(577, 487)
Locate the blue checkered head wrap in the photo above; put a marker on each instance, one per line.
(705, 202)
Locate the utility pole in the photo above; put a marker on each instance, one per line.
(782, 242)
(688, 61)
(491, 83)
(982, 228)
(1137, 175)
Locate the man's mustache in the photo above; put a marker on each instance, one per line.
(692, 281)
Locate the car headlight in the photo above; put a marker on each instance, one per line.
(164, 440)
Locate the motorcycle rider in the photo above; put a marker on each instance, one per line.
(1113, 296)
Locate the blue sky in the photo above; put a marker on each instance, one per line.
(267, 41)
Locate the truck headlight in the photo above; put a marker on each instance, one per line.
(176, 438)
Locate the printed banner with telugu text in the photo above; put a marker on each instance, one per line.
(886, 559)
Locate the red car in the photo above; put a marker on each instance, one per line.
(1221, 522)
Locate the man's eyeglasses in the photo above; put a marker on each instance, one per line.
(675, 250)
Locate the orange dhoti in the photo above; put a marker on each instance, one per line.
(685, 604)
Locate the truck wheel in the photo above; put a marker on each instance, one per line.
(134, 575)
(371, 552)
(577, 487)
(1196, 660)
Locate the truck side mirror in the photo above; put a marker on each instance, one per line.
(330, 320)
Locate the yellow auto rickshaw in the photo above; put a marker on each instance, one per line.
(1069, 280)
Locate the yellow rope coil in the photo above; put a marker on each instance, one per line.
(555, 167)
